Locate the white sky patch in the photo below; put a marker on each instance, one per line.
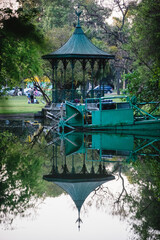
(13, 4)
(56, 217)
(115, 9)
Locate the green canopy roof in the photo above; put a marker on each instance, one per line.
(79, 189)
(79, 47)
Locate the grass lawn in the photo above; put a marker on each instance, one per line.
(19, 104)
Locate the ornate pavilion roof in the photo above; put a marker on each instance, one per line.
(79, 187)
(80, 47)
(79, 191)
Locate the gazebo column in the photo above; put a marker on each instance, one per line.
(65, 62)
(100, 70)
(92, 62)
(73, 90)
(84, 90)
(84, 62)
(118, 76)
(53, 81)
(103, 66)
(56, 66)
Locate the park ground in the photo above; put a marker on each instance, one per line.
(19, 105)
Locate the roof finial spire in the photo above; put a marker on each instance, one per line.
(79, 220)
(78, 13)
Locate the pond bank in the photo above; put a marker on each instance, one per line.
(16, 116)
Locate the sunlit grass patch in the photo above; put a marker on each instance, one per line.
(19, 104)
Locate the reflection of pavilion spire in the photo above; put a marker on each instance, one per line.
(79, 220)
(79, 189)
(78, 185)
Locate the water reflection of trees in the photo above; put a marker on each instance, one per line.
(139, 202)
(22, 171)
(21, 184)
(145, 207)
(117, 201)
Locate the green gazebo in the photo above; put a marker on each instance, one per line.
(77, 48)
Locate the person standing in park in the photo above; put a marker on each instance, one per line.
(29, 97)
(32, 95)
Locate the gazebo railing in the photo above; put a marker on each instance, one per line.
(74, 95)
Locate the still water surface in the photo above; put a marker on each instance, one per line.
(78, 185)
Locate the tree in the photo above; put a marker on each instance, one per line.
(22, 44)
(20, 178)
(145, 50)
(56, 14)
(115, 35)
(145, 206)
(21, 170)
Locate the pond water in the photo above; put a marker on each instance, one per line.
(78, 185)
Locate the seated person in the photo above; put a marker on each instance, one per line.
(36, 101)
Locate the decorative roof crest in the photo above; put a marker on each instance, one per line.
(78, 13)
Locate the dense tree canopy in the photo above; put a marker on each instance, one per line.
(133, 37)
(42, 26)
(144, 49)
(21, 171)
(21, 47)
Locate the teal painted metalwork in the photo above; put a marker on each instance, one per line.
(104, 113)
(79, 46)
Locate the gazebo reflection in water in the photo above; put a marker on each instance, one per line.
(81, 160)
(77, 178)
(77, 48)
